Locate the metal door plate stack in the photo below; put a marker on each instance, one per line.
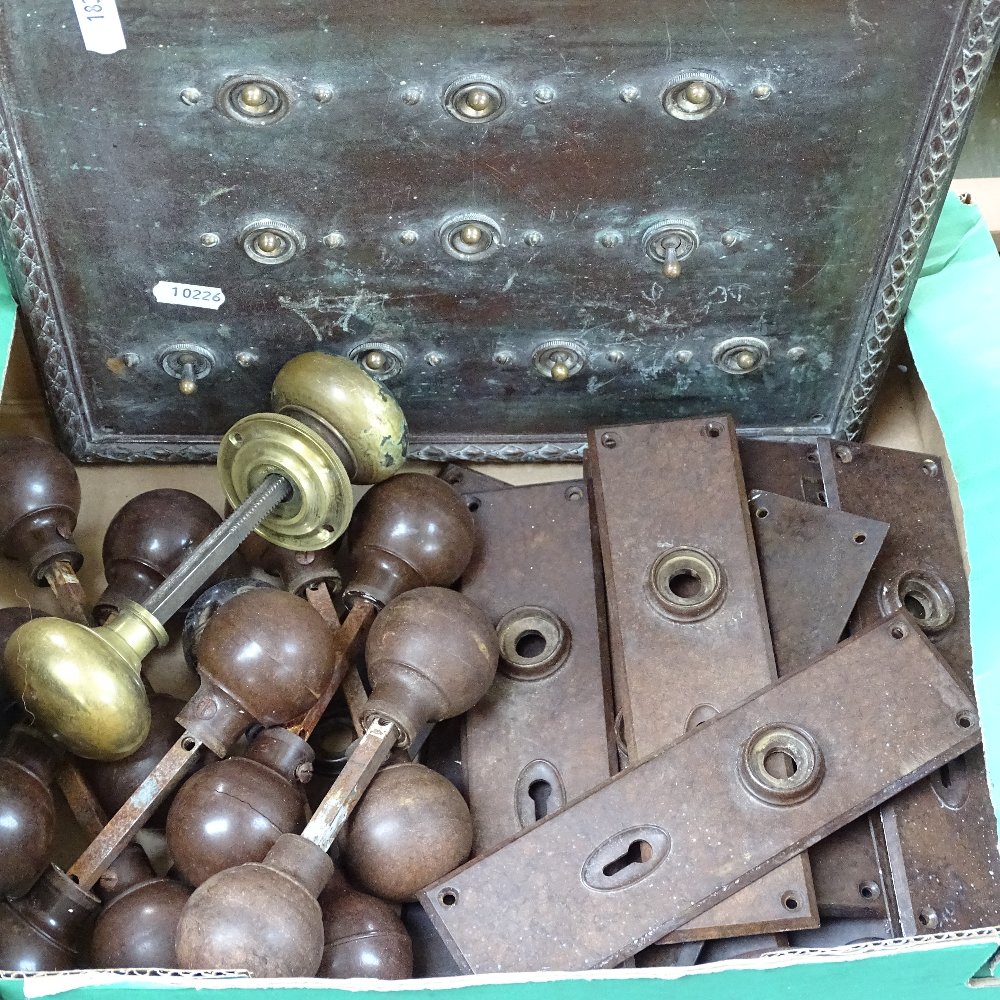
(644, 853)
(686, 618)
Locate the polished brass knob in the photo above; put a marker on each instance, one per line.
(82, 685)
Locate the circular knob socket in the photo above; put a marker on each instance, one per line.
(431, 654)
(411, 828)
(112, 782)
(234, 810)
(27, 810)
(39, 505)
(363, 937)
(43, 931)
(349, 407)
(259, 917)
(270, 652)
(411, 531)
(146, 541)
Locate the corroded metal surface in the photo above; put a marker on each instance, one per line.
(687, 624)
(642, 845)
(814, 563)
(940, 837)
(540, 736)
(568, 173)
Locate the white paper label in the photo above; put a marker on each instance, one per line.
(198, 296)
(100, 26)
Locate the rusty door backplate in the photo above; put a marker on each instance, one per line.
(849, 869)
(940, 837)
(687, 624)
(670, 836)
(489, 197)
(814, 563)
(540, 737)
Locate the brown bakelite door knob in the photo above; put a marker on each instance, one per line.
(146, 541)
(112, 782)
(234, 810)
(44, 930)
(27, 811)
(135, 929)
(264, 656)
(39, 505)
(261, 917)
(411, 829)
(410, 531)
(431, 654)
(364, 938)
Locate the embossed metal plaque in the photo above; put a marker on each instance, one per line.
(540, 217)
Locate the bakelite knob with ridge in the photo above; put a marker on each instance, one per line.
(135, 929)
(27, 811)
(233, 810)
(146, 541)
(261, 917)
(46, 929)
(411, 531)
(363, 937)
(431, 654)
(263, 657)
(411, 829)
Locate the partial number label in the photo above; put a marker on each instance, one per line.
(199, 296)
(100, 26)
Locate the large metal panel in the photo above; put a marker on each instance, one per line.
(803, 170)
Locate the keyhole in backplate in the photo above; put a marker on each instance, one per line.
(638, 853)
(540, 793)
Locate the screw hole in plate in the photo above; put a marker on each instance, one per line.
(898, 632)
(869, 890)
(790, 901)
(448, 897)
(965, 720)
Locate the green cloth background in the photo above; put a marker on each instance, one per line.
(954, 330)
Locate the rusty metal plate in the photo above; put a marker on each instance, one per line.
(790, 468)
(587, 162)
(686, 619)
(540, 737)
(670, 836)
(814, 563)
(941, 837)
(851, 875)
